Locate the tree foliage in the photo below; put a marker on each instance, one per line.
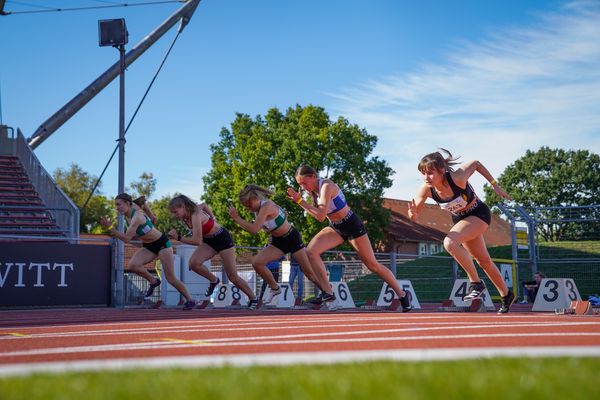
(553, 178)
(77, 184)
(165, 222)
(144, 186)
(267, 150)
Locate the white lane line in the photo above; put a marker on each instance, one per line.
(218, 319)
(250, 326)
(207, 343)
(307, 358)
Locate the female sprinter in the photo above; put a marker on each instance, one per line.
(471, 217)
(154, 245)
(329, 202)
(284, 239)
(211, 239)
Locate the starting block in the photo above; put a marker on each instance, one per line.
(204, 304)
(577, 307)
(387, 296)
(329, 306)
(158, 304)
(370, 305)
(476, 305)
(394, 305)
(299, 304)
(285, 299)
(556, 293)
(227, 295)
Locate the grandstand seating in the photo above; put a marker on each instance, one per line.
(22, 211)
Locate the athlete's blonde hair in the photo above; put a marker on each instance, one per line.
(437, 161)
(252, 191)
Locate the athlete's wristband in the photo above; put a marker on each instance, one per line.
(299, 200)
(494, 182)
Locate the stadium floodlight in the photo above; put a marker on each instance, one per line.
(112, 32)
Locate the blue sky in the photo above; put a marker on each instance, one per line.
(486, 79)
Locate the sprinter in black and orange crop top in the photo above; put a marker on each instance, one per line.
(450, 188)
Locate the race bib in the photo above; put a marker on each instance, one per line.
(454, 205)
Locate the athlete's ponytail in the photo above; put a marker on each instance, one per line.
(251, 191)
(437, 161)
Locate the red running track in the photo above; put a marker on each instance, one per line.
(67, 336)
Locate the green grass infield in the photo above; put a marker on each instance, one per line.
(497, 378)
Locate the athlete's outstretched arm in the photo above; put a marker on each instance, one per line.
(416, 205)
(320, 211)
(196, 237)
(464, 172)
(129, 234)
(255, 226)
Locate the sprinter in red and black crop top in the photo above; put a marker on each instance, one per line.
(211, 239)
(471, 216)
(328, 202)
(155, 245)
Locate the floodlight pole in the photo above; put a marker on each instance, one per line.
(120, 300)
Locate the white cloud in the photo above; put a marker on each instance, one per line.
(492, 100)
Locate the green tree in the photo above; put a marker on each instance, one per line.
(267, 150)
(77, 184)
(553, 178)
(144, 186)
(165, 222)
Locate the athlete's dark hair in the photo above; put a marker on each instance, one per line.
(437, 161)
(124, 197)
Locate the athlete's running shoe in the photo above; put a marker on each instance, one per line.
(506, 302)
(189, 305)
(328, 297)
(151, 288)
(405, 303)
(272, 293)
(252, 304)
(318, 299)
(475, 291)
(211, 287)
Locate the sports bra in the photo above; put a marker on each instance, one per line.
(460, 197)
(206, 226)
(145, 228)
(336, 203)
(274, 223)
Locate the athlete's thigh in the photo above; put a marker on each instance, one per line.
(142, 256)
(467, 229)
(228, 258)
(477, 248)
(326, 239)
(268, 254)
(362, 245)
(166, 258)
(202, 253)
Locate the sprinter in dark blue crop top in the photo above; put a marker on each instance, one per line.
(471, 216)
(328, 202)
